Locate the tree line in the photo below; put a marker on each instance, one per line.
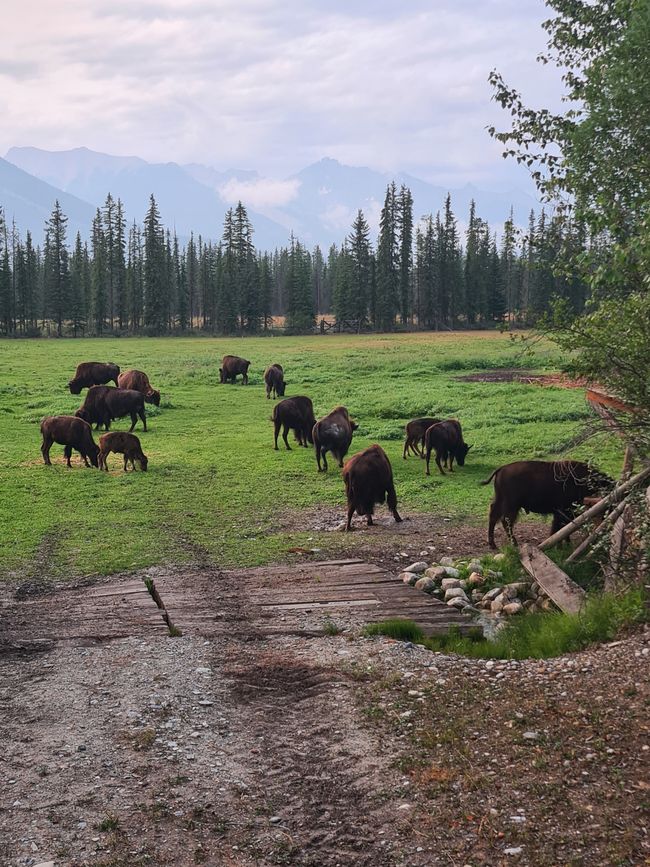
(139, 279)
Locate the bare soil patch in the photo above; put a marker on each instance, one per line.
(557, 380)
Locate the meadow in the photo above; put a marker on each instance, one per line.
(216, 486)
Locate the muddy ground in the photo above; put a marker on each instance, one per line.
(246, 748)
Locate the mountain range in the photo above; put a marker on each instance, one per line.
(317, 204)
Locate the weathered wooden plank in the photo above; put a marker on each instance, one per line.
(566, 594)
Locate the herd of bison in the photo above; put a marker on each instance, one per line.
(554, 488)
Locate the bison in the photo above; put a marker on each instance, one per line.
(123, 443)
(90, 373)
(333, 433)
(231, 367)
(544, 487)
(446, 437)
(296, 414)
(415, 431)
(368, 479)
(103, 404)
(136, 380)
(71, 432)
(274, 379)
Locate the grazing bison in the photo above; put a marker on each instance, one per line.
(544, 487)
(415, 431)
(231, 367)
(71, 432)
(368, 479)
(93, 373)
(296, 414)
(103, 404)
(274, 379)
(136, 380)
(446, 437)
(123, 443)
(333, 433)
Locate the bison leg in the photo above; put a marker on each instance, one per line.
(407, 444)
(143, 416)
(285, 436)
(67, 452)
(560, 519)
(324, 456)
(348, 525)
(508, 522)
(369, 521)
(45, 450)
(428, 459)
(451, 463)
(276, 431)
(391, 502)
(421, 448)
(495, 514)
(102, 461)
(438, 456)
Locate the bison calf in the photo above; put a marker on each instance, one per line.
(71, 432)
(136, 380)
(415, 431)
(544, 487)
(93, 373)
(274, 379)
(296, 414)
(446, 437)
(368, 479)
(123, 443)
(333, 433)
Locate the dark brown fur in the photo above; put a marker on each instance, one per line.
(231, 367)
(274, 379)
(296, 414)
(544, 487)
(415, 431)
(446, 437)
(368, 479)
(123, 443)
(333, 433)
(103, 404)
(93, 373)
(136, 380)
(71, 432)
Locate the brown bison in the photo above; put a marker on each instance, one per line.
(93, 373)
(103, 404)
(368, 479)
(415, 431)
(71, 432)
(333, 433)
(231, 367)
(296, 414)
(136, 380)
(123, 443)
(446, 437)
(274, 379)
(544, 487)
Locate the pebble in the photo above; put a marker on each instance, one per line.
(530, 736)
(275, 820)
(513, 850)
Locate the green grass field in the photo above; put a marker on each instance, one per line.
(214, 480)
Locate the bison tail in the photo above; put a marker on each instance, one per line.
(487, 481)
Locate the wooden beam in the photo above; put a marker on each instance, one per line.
(613, 515)
(566, 594)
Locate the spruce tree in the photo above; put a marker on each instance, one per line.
(360, 254)
(78, 276)
(387, 263)
(405, 226)
(57, 274)
(155, 306)
(99, 274)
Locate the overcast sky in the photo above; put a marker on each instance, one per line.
(273, 86)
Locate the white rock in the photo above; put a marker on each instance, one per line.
(447, 583)
(513, 850)
(446, 561)
(409, 578)
(475, 566)
(499, 557)
(492, 594)
(530, 736)
(513, 608)
(418, 567)
(496, 606)
(457, 602)
(455, 593)
(452, 572)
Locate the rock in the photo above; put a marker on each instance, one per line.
(418, 567)
(427, 585)
(509, 591)
(494, 575)
(498, 558)
(496, 606)
(447, 583)
(45, 864)
(409, 578)
(513, 608)
(477, 595)
(475, 579)
(492, 594)
(457, 602)
(528, 604)
(546, 604)
(475, 566)
(530, 736)
(274, 820)
(513, 850)
(455, 593)
(437, 572)
(446, 561)
(452, 572)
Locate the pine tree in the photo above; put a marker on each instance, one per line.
(405, 226)
(509, 268)
(57, 275)
(6, 312)
(77, 287)
(360, 254)
(99, 275)
(155, 302)
(192, 275)
(300, 315)
(135, 278)
(387, 263)
(266, 290)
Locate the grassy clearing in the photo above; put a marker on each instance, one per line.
(536, 636)
(215, 485)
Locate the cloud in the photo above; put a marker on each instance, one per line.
(261, 193)
(272, 85)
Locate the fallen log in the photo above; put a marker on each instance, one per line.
(588, 542)
(613, 497)
(566, 594)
